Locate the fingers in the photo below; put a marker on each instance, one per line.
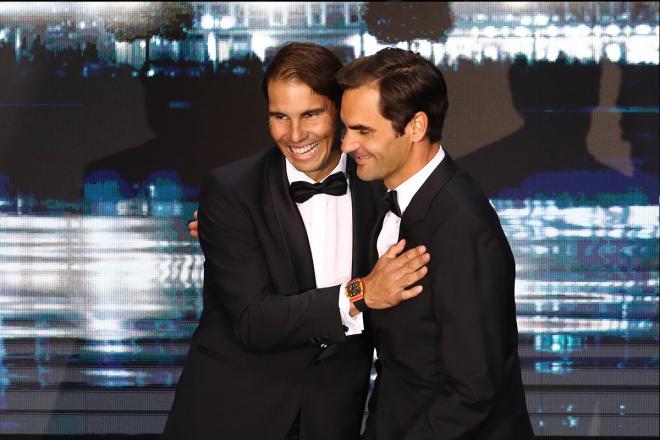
(412, 253)
(409, 257)
(193, 227)
(414, 264)
(411, 293)
(414, 277)
(394, 272)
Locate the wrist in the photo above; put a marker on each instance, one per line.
(367, 284)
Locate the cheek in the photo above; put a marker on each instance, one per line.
(277, 131)
(323, 128)
(393, 151)
(375, 148)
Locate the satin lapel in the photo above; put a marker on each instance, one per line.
(288, 223)
(373, 236)
(422, 200)
(364, 216)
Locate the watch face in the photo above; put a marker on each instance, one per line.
(354, 289)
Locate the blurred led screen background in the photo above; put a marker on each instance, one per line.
(110, 115)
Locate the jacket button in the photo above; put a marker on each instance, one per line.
(386, 411)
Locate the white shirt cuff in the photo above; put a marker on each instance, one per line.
(355, 324)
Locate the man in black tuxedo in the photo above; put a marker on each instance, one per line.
(277, 354)
(448, 365)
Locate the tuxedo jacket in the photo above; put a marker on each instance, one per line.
(259, 355)
(448, 366)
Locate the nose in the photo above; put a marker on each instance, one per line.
(348, 145)
(298, 133)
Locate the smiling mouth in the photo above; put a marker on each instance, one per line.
(361, 157)
(304, 149)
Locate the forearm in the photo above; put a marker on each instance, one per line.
(263, 319)
(278, 322)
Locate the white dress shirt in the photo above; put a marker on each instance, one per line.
(389, 234)
(330, 234)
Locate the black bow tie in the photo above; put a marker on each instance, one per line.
(335, 185)
(391, 203)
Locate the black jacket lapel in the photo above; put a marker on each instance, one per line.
(288, 222)
(421, 201)
(375, 231)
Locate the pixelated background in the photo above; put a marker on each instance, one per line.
(111, 113)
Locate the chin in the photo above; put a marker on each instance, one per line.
(364, 174)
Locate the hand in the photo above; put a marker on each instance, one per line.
(193, 226)
(386, 285)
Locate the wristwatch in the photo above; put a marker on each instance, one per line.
(355, 292)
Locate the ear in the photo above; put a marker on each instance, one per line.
(418, 126)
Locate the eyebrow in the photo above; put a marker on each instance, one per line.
(311, 110)
(360, 127)
(314, 110)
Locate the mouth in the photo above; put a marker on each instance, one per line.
(361, 158)
(305, 151)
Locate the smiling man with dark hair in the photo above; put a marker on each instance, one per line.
(448, 363)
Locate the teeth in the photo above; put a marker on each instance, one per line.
(305, 149)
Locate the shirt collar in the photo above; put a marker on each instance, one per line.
(296, 176)
(407, 190)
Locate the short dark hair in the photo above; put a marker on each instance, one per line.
(308, 63)
(407, 83)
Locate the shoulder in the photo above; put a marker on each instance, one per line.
(467, 195)
(463, 205)
(244, 173)
(232, 193)
(469, 226)
(238, 183)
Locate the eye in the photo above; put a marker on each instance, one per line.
(310, 115)
(364, 132)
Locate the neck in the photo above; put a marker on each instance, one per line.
(420, 155)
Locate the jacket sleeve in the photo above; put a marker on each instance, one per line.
(473, 277)
(237, 280)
